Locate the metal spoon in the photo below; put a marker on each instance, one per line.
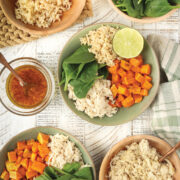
(177, 146)
(6, 64)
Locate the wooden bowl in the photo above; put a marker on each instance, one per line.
(161, 146)
(144, 19)
(69, 17)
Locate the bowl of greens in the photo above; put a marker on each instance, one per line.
(145, 11)
(108, 74)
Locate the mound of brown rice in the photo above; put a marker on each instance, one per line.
(100, 42)
(41, 13)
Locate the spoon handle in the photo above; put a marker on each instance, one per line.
(6, 64)
(177, 146)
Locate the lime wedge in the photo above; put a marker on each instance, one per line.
(128, 43)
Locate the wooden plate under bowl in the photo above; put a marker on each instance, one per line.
(161, 146)
(69, 17)
(144, 19)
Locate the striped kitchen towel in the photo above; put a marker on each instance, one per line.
(166, 108)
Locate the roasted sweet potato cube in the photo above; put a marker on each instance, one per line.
(21, 145)
(136, 69)
(114, 90)
(120, 98)
(15, 175)
(144, 92)
(43, 138)
(40, 159)
(38, 166)
(22, 171)
(118, 104)
(115, 78)
(25, 163)
(27, 153)
(31, 174)
(30, 165)
(20, 153)
(125, 65)
(11, 166)
(146, 69)
(46, 158)
(33, 156)
(148, 78)
(128, 101)
(35, 147)
(113, 69)
(123, 90)
(121, 72)
(136, 90)
(12, 156)
(139, 77)
(146, 85)
(136, 62)
(5, 175)
(136, 84)
(137, 98)
(30, 143)
(43, 151)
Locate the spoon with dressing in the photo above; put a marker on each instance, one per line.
(4, 62)
(177, 146)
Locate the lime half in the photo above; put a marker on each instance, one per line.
(128, 43)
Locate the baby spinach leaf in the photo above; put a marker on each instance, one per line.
(103, 72)
(70, 73)
(101, 66)
(50, 172)
(89, 72)
(158, 8)
(81, 88)
(81, 55)
(63, 78)
(78, 179)
(84, 173)
(139, 6)
(65, 177)
(60, 171)
(43, 177)
(71, 168)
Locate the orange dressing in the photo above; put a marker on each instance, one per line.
(33, 93)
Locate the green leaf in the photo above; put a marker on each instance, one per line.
(60, 171)
(43, 177)
(84, 173)
(81, 55)
(89, 72)
(63, 78)
(101, 66)
(71, 168)
(65, 177)
(103, 72)
(81, 88)
(51, 172)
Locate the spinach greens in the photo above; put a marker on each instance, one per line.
(146, 8)
(71, 171)
(81, 70)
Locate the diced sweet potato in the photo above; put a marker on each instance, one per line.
(38, 166)
(11, 166)
(146, 85)
(30, 143)
(115, 78)
(22, 171)
(128, 102)
(118, 104)
(15, 175)
(25, 163)
(46, 158)
(136, 62)
(33, 156)
(139, 77)
(12, 156)
(137, 98)
(146, 69)
(114, 90)
(144, 92)
(120, 98)
(148, 78)
(5, 175)
(121, 72)
(136, 69)
(123, 90)
(21, 145)
(136, 90)
(113, 69)
(136, 84)
(20, 153)
(27, 153)
(31, 174)
(43, 138)
(125, 65)
(30, 165)
(40, 159)
(35, 147)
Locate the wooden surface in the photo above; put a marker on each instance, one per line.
(97, 139)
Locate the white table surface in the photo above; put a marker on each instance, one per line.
(97, 139)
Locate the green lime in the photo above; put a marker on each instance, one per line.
(128, 43)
